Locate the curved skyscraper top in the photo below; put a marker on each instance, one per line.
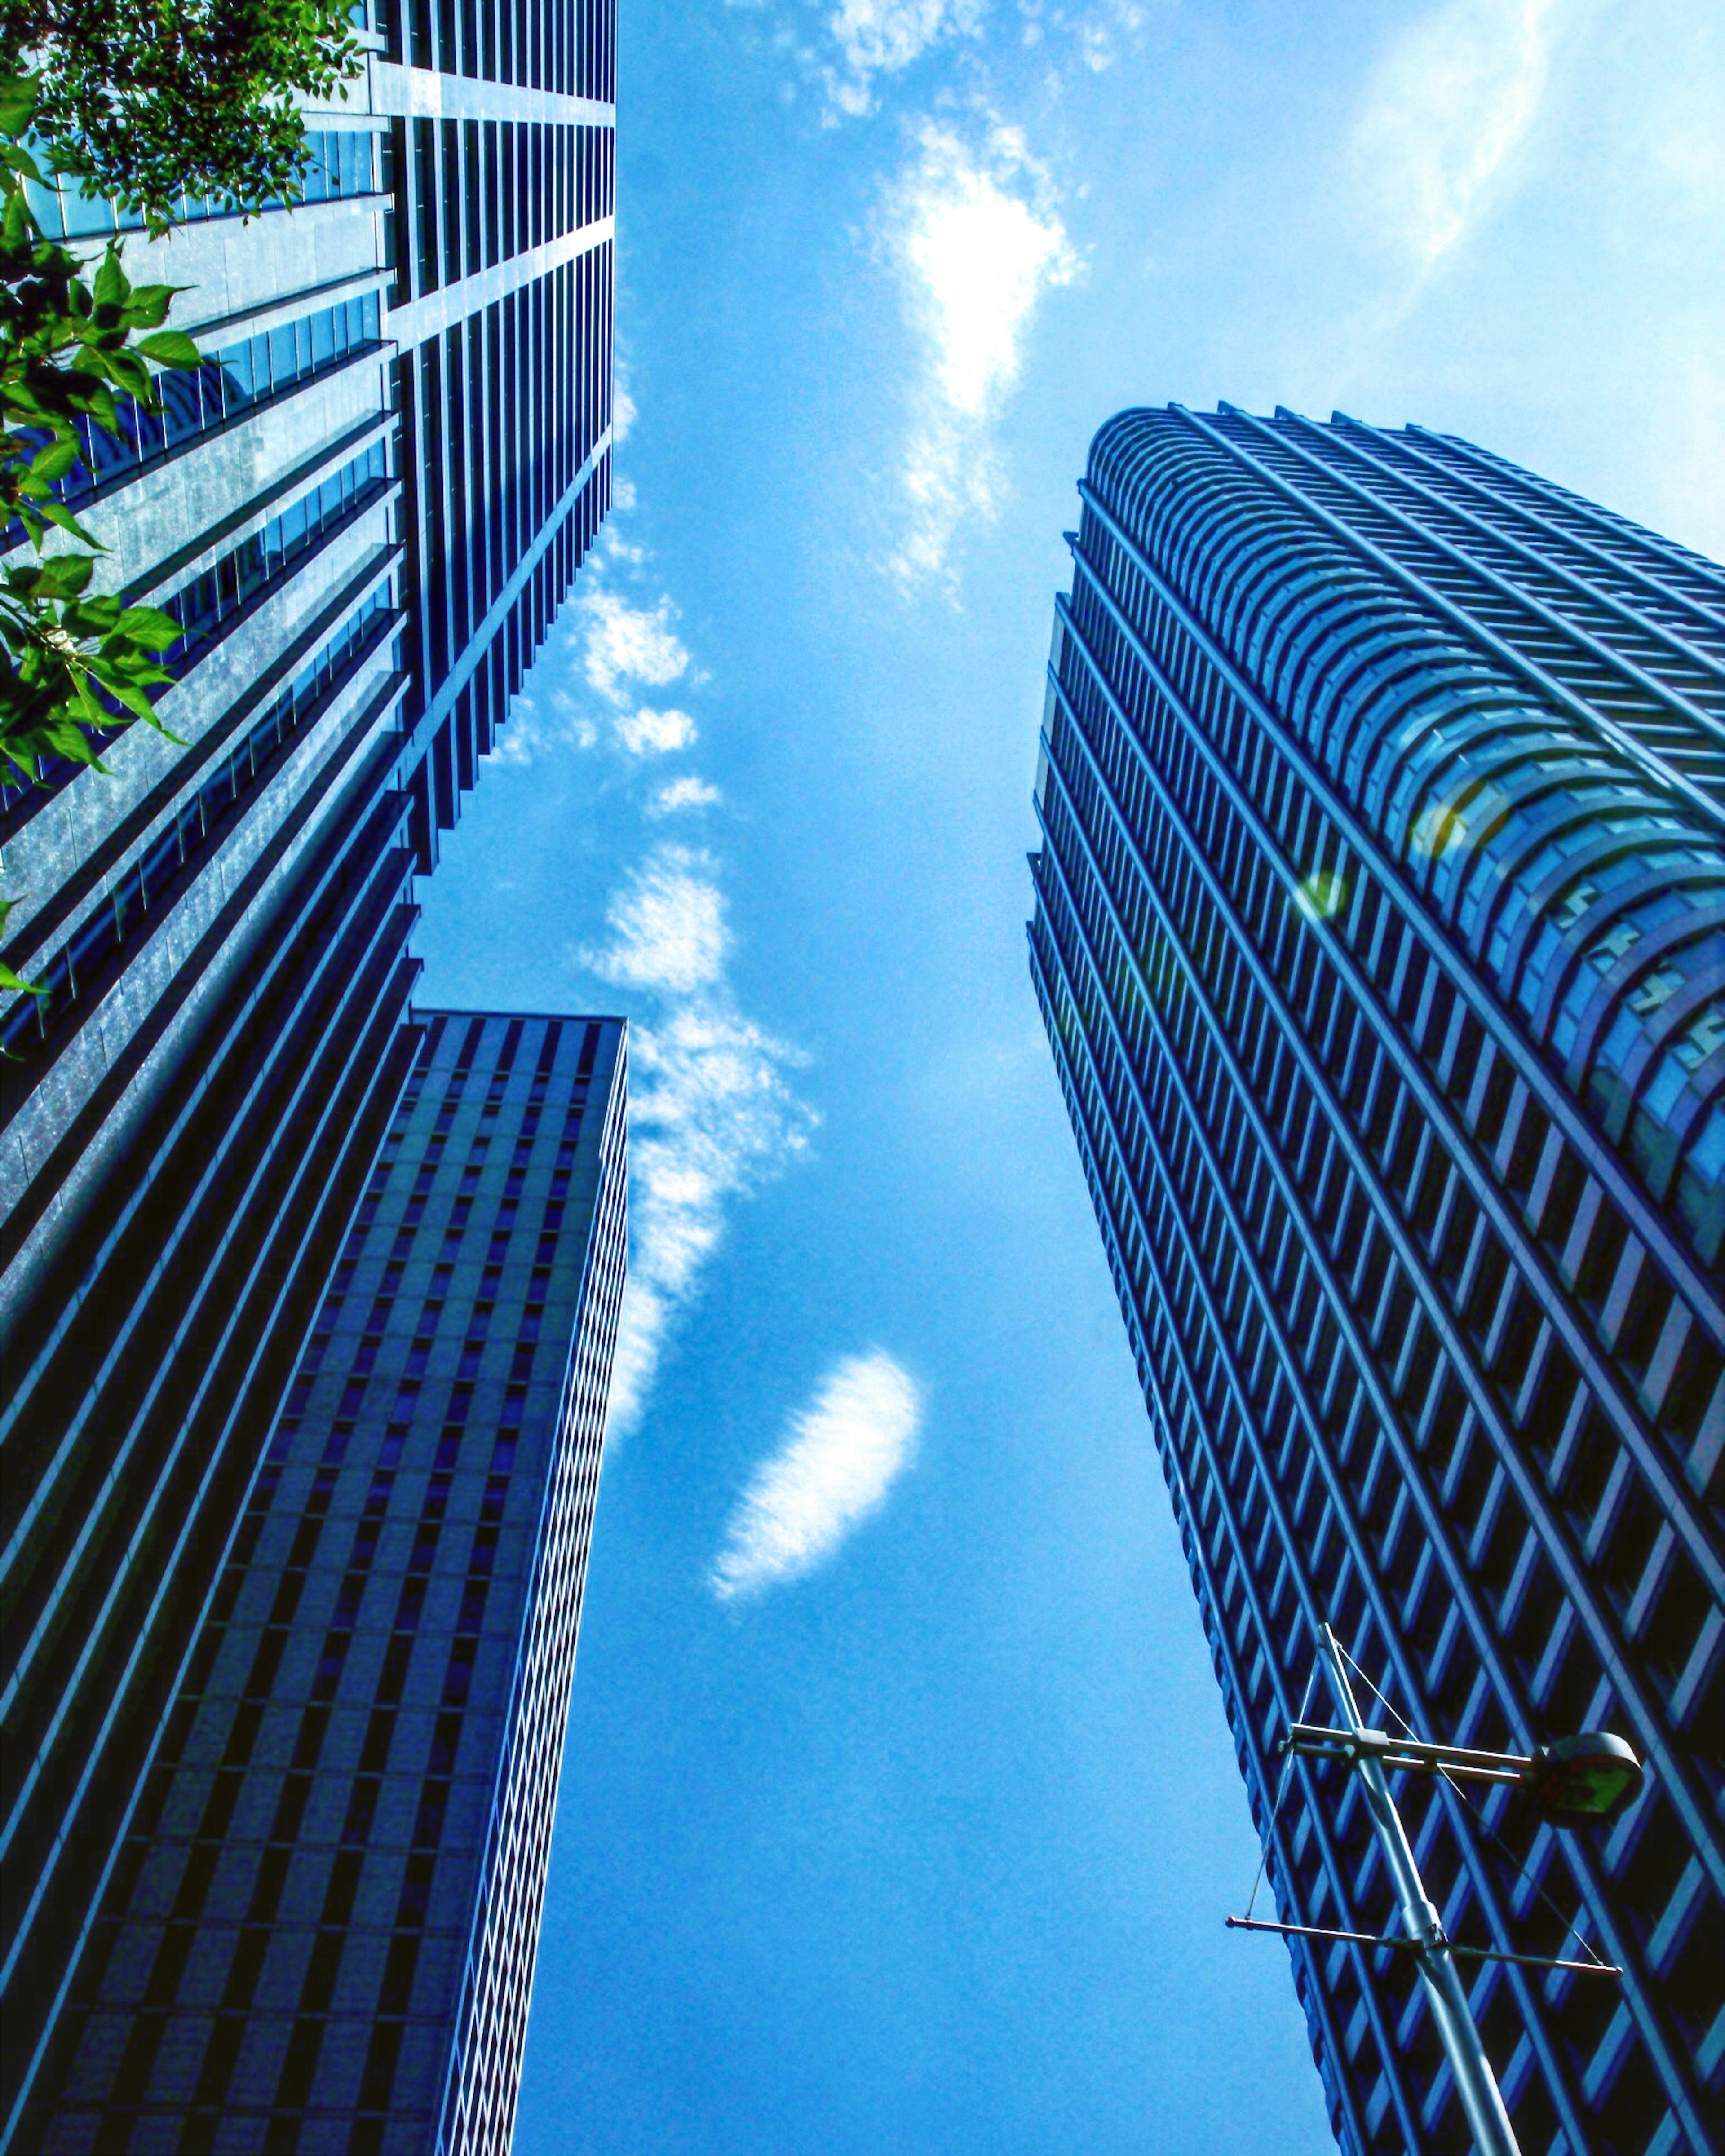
(1522, 699)
(1380, 937)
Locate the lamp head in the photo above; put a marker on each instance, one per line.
(1583, 1780)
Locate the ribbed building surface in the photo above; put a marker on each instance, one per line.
(364, 510)
(320, 1933)
(1380, 940)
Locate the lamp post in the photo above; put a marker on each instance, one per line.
(1587, 1778)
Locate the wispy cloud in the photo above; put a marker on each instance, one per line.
(883, 37)
(1449, 104)
(711, 1117)
(647, 732)
(667, 924)
(681, 794)
(616, 646)
(712, 1114)
(625, 643)
(976, 236)
(1092, 36)
(841, 1455)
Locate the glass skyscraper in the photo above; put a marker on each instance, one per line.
(321, 1932)
(1379, 935)
(363, 510)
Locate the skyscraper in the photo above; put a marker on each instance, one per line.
(321, 1929)
(1380, 940)
(363, 510)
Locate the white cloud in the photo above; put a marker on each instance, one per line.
(884, 37)
(978, 240)
(624, 415)
(712, 1111)
(625, 643)
(544, 717)
(841, 1455)
(1449, 104)
(710, 1116)
(667, 926)
(647, 732)
(680, 793)
(980, 251)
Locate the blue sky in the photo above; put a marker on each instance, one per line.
(898, 1812)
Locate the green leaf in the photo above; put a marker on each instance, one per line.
(18, 102)
(53, 462)
(150, 629)
(129, 371)
(100, 406)
(18, 984)
(56, 512)
(94, 617)
(170, 348)
(63, 576)
(147, 307)
(17, 224)
(23, 398)
(68, 739)
(111, 284)
(128, 693)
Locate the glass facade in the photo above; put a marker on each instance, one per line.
(1379, 936)
(335, 166)
(320, 1933)
(365, 562)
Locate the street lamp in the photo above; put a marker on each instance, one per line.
(1576, 1781)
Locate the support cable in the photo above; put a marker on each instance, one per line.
(1478, 1819)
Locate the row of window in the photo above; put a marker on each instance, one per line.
(484, 191)
(198, 402)
(509, 405)
(1606, 655)
(1336, 549)
(278, 1889)
(231, 381)
(1660, 1099)
(1604, 573)
(571, 50)
(299, 2081)
(1214, 1425)
(216, 599)
(90, 959)
(1185, 1307)
(1196, 1417)
(339, 164)
(1347, 906)
(1537, 1384)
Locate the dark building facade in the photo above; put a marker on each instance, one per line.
(321, 1929)
(364, 510)
(1380, 940)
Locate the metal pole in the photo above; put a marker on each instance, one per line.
(1475, 2083)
